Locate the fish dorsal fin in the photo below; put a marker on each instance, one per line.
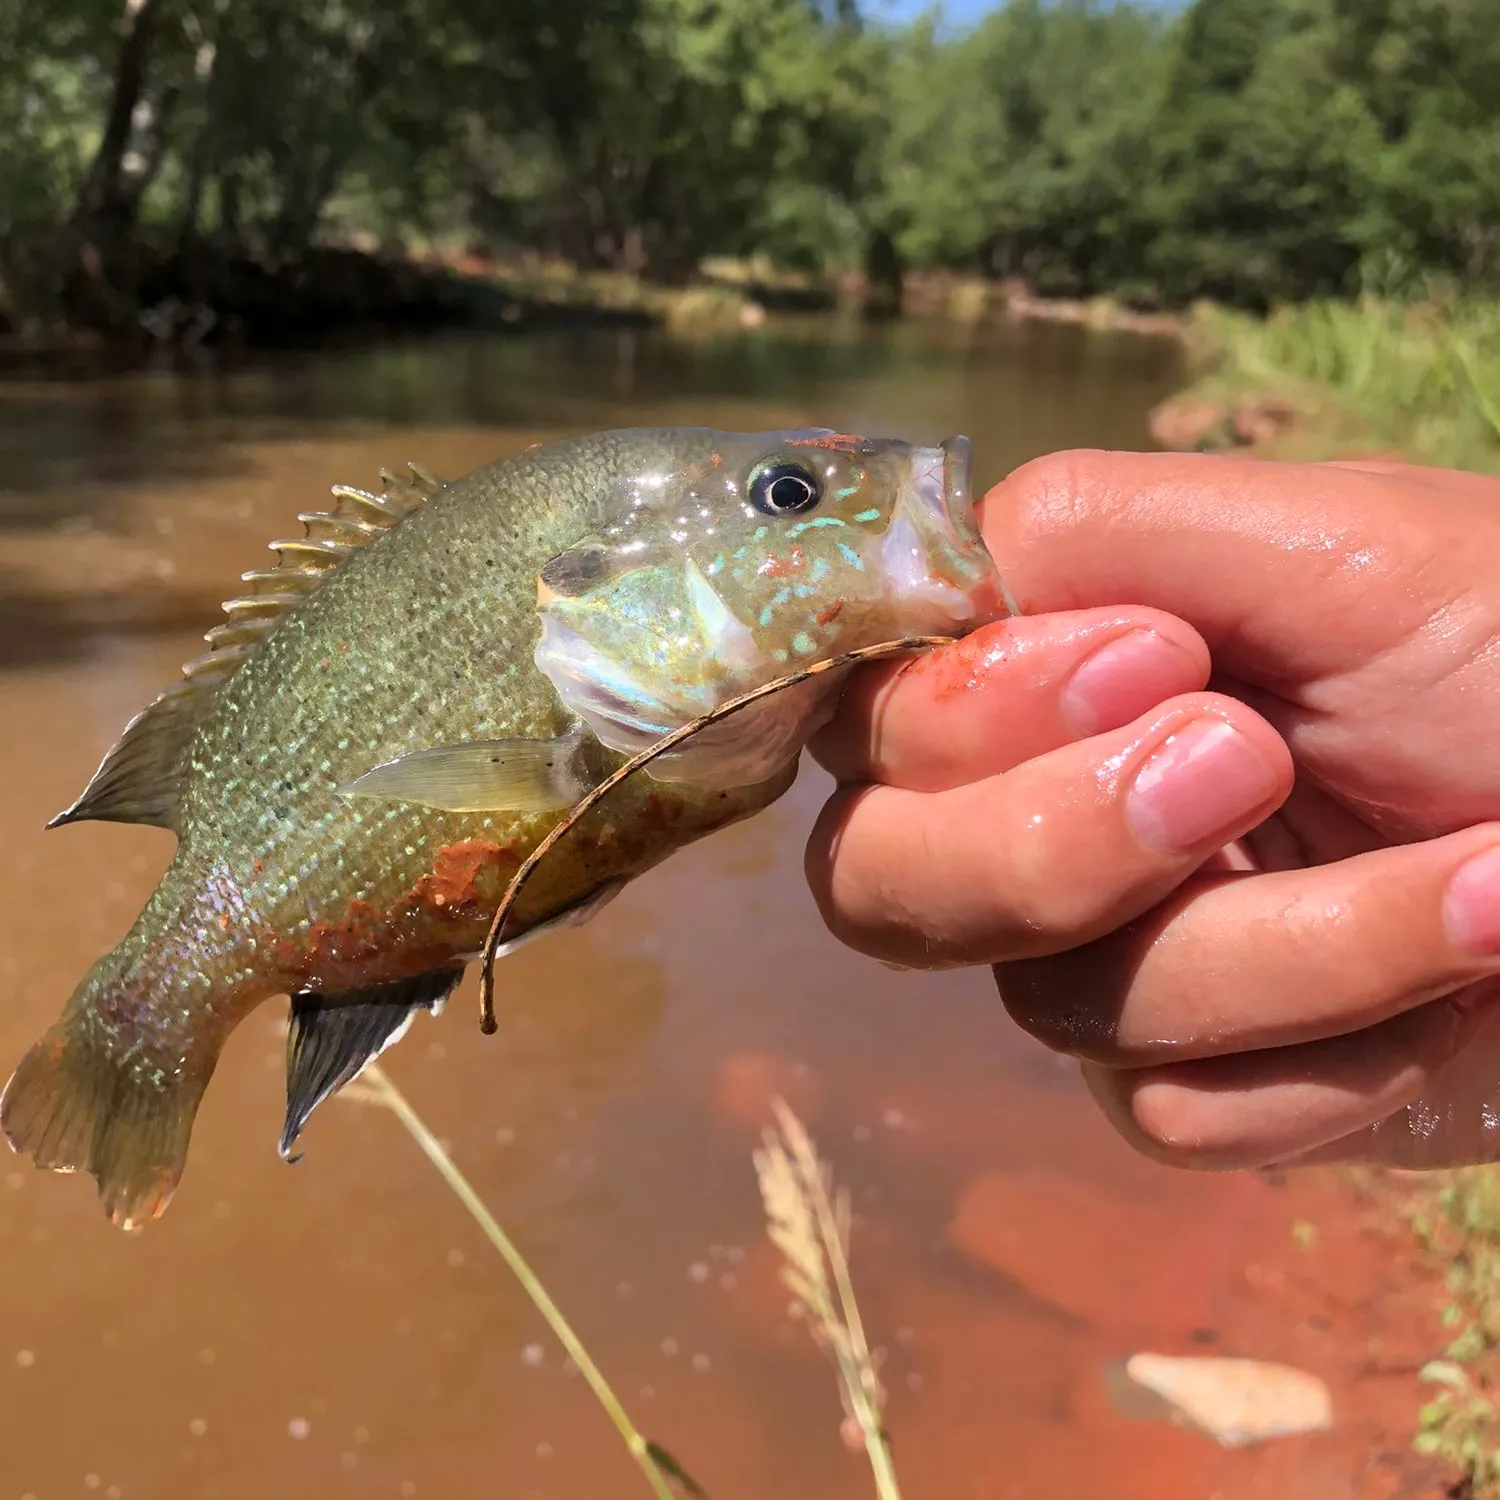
(138, 780)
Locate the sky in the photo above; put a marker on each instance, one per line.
(956, 12)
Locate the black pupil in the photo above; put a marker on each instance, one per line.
(789, 491)
(786, 488)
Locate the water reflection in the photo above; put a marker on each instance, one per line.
(338, 1329)
(60, 437)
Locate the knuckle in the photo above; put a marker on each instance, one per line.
(1042, 900)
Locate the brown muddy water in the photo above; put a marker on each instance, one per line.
(339, 1328)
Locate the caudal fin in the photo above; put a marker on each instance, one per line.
(84, 1100)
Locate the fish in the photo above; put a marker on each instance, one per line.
(395, 714)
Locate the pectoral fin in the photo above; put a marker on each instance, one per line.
(486, 776)
(333, 1038)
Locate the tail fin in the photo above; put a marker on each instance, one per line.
(87, 1098)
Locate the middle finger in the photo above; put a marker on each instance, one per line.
(1052, 854)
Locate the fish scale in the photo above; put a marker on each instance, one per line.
(402, 710)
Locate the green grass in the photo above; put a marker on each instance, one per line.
(1419, 378)
(1458, 1220)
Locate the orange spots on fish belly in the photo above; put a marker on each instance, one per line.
(422, 929)
(454, 881)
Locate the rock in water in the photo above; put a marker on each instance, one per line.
(1235, 1401)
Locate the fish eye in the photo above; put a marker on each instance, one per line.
(784, 489)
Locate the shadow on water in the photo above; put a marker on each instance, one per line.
(42, 627)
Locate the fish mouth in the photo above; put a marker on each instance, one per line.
(933, 553)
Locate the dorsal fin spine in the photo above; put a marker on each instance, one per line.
(138, 780)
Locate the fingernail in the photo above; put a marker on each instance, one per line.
(1123, 679)
(1471, 907)
(1198, 788)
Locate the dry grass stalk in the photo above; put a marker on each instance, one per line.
(660, 1469)
(808, 1222)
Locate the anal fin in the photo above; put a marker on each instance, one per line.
(333, 1038)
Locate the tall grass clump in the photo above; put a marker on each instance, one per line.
(1419, 377)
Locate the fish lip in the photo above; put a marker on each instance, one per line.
(942, 481)
(934, 553)
(958, 474)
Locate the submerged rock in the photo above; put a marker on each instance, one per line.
(1235, 1401)
(1261, 417)
(1189, 423)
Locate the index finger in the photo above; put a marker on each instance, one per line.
(1008, 692)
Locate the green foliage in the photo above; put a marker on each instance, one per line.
(1422, 374)
(1252, 151)
(1461, 1423)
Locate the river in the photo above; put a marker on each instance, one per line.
(339, 1329)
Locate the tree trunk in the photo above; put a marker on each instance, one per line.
(231, 229)
(153, 152)
(204, 63)
(105, 203)
(883, 276)
(306, 196)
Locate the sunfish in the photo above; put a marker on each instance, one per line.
(396, 714)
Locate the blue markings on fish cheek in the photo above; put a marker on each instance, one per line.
(803, 644)
(852, 557)
(766, 615)
(868, 515)
(779, 653)
(819, 569)
(802, 526)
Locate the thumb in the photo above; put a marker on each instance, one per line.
(1290, 572)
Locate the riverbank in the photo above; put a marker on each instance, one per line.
(185, 302)
(1334, 379)
(1321, 379)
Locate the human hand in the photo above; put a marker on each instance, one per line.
(1317, 988)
